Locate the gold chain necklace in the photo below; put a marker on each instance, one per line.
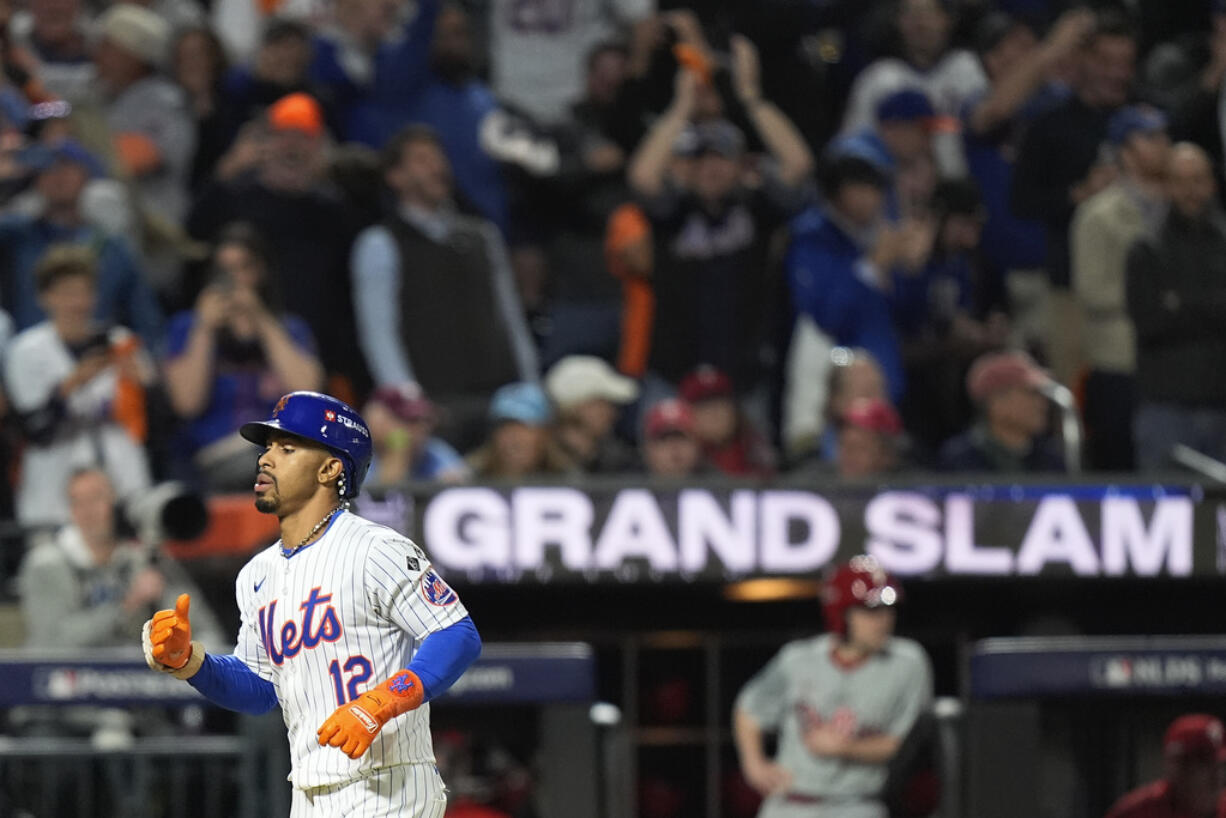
(318, 526)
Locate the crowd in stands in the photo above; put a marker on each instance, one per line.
(603, 237)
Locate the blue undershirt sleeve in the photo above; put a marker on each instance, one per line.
(445, 655)
(228, 682)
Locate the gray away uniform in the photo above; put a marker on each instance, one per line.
(804, 686)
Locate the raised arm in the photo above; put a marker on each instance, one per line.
(650, 160)
(782, 139)
(1011, 90)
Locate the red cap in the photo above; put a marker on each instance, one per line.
(1001, 370)
(874, 415)
(406, 401)
(705, 382)
(297, 112)
(1195, 736)
(667, 416)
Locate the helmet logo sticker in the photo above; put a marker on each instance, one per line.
(280, 405)
(329, 415)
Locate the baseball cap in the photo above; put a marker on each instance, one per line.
(668, 416)
(522, 402)
(137, 30)
(1134, 119)
(42, 156)
(907, 105)
(1195, 736)
(579, 378)
(297, 112)
(873, 415)
(406, 401)
(718, 136)
(704, 383)
(1002, 370)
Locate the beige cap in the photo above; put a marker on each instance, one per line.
(578, 378)
(137, 30)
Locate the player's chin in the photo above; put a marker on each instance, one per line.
(267, 503)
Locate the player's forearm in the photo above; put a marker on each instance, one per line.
(228, 682)
(748, 737)
(445, 655)
(873, 749)
(782, 140)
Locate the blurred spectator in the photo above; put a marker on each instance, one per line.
(714, 295)
(367, 49)
(1104, 228)
(670, 445)
(418, 273)
(870, 440)
(842, 703)
(899, 144)
(241, 23)
(1193, 754)
(948, 313)
(519, 443)
(1177, 301)
(402, 421)
(1023, 82)
(925, 61)
(272, 178)
(229, 359)
(841, 262)
(1185, 76)
(198, 65)
(573, 209)
(1010, 436)
(78, 388)
(537, 51)
(729, 441)
(56, 33)
(278, 69)
(93, 585)
(589, 396)
(1059, 166)
(64, 169)
(147, 114)
(451, 100)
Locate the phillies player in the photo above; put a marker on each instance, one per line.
(1194, 749)
(842, 703)
(345, 625)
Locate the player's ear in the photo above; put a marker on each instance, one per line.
(330, 470)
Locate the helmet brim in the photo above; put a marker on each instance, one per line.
(258, 431)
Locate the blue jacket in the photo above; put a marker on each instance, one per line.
(826, 273)
(124, 295)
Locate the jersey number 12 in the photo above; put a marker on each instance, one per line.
(359, 670)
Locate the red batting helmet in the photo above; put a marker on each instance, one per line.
(860, 582)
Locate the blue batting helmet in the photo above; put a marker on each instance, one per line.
(329, 422)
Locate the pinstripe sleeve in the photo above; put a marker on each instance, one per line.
(249, 646)
(408, 591)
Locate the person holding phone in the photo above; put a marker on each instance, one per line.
(230, 358)
(77, 389)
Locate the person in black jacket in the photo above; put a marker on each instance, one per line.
(1177, 301)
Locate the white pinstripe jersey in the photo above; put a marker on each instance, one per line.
(333, 620)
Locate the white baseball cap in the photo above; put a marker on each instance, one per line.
(578, 378)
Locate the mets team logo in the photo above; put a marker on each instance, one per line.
(280, 407)
(436, 591)
(319, 623)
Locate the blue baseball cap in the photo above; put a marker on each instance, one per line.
(906, 105)
(41, 156)
(1133, 119)
(522, 402)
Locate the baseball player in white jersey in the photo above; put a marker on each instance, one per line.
(345, 625)
(842, 702)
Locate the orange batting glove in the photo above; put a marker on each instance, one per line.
(167, 641)
(354, 725)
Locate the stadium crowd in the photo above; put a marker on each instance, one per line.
(555, 238)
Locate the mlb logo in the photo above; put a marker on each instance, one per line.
(330, 415)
